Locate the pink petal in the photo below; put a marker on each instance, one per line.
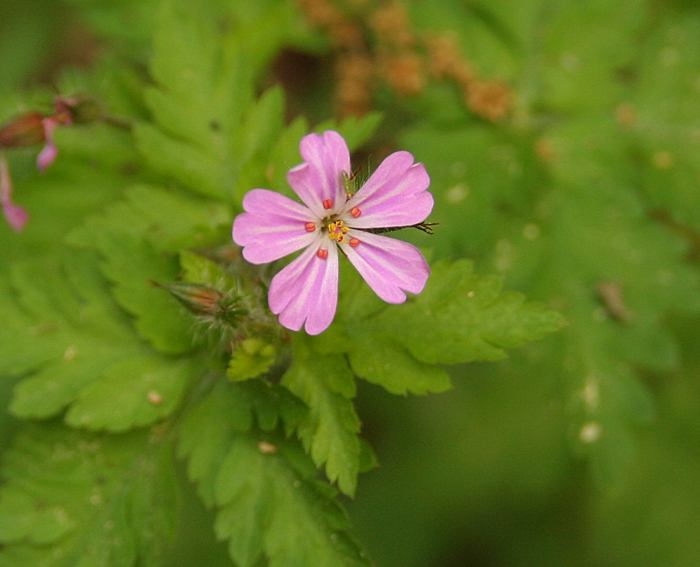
(306, 183)
(272, 227)
(47, 156)
(328, 158)
(306, 290)
(15, 215)
(395, 195)
(390, 267)
(49, 153)
(266, 202)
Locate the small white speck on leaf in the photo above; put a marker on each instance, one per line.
(267, 448)
(590, 432)
(154, 398)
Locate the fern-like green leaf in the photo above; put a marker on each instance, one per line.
(134, 266)
(330, 430)
(84, 353)
(215, 139)
(664, 117)
(460, 317)
(269, 503)
(72, 498)
(169, 219)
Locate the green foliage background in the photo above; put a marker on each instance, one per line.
(577, 449)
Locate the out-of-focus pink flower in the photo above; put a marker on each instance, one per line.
(15, 215)
(33, 128)
(49, 152)
(305, 292)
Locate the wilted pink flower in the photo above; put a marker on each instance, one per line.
(15, 215)
(33, 128)
(305, 292)
(49, 152)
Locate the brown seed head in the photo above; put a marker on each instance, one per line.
(445, 60)
(346, 35)
(405, 72)
(320, 13)
(354, 83)
(392, 26)
(489, 99)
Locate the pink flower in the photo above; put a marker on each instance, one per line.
(305, 292)
(15, 215)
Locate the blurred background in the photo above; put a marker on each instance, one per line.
(563, 142)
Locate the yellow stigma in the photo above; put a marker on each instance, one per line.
(337, 230)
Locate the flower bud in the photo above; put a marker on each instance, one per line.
(206, 302)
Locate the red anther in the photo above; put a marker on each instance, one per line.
(322, 253)
(355, 212)
(310, 227)
(354, 242)
(327, 204)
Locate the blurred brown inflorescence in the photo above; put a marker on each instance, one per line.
(376, 44)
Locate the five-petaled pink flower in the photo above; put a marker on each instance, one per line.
(305, 292)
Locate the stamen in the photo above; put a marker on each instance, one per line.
(354, 242)
(337, 230)
(322, 253)
(327, 203)
(310, 227)
(355, 212)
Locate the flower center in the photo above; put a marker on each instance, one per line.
(337, 230)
